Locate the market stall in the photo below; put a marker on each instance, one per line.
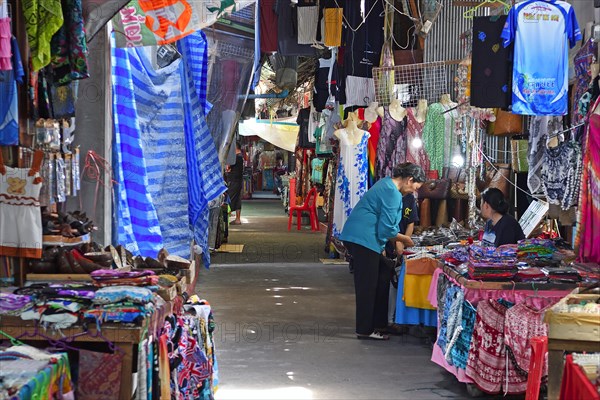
(491, 304)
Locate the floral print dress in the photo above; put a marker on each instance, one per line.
(352, 177)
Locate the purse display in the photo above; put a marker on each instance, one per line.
(458, 179)
(496, 176)
(437, 189)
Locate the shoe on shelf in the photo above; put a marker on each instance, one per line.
(373, 336)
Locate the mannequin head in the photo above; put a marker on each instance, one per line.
(371, 112)
(397, 112)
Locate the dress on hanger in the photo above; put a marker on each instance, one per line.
(391, 149)
(9, 107)
(561, 174)
(414, 131)
(352, 177)
(20, 215)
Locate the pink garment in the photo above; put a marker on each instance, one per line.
(438, 357)
(432, 296)
(5, 46)
(487, 356)
(414, 129)
(588, 234)
(523, 323)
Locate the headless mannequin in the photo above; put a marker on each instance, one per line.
(446, 100)
(421, 111)
(397, 112)
(371, 112)
(351, 131)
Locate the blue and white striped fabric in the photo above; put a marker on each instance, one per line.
(137, 222)
(194, 49)
(158, 107)
(205, 180)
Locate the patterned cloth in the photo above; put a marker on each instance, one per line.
(539, 129)
(523, 323)
(487, 356)
(9, 105)
(351, 180)
(391, 149)
(415, 155)
(43, 18)
(434, 135)
(459, 353)
(115, 294)
(583, 60)
(374, 131)
(561, 172)
(452, 300)
(588, 234)
(69, 46)
(5, 46)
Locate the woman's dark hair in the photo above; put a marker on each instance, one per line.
(409, 170)
(495, 198)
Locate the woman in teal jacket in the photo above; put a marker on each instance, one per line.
(372, 222)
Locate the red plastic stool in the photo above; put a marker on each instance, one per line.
(539, 348)
(310, 205)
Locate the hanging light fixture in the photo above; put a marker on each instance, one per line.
(457, 158)
(417, 143)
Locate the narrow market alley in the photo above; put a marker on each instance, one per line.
(285, 330)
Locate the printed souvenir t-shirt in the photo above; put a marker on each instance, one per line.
(542, 31)
(506, 231)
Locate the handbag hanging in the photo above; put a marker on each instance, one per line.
(496, 176)
(437, 189)
(506, 123)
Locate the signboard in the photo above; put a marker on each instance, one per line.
(532, 217)
(158, 22)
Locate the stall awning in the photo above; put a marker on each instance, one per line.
(280, 134)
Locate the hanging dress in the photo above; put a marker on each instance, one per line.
(352, 177)
(20, 215)
(588, 234)
(414, 129)
(391, 149)
(434, 136)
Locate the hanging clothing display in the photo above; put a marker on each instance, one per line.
(588, 233)
(43, 18)
(287, 35)
(5, 46)
(539, 129)
(434, 135)
(20, 215)
(325, 87)
(308, 19)
(459, 352)
(268, 20)
(543, 32)
(490, 68)
(317, 165)
(391, 149)
(583, 61)
(561, 174)
(351, 180)
(9, 107)
(522, 324)
(374, 131)
(415, 153)
(69, 46)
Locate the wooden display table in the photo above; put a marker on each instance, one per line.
(123, 337)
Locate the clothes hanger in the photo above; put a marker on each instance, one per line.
(470, 13)
(13, 341)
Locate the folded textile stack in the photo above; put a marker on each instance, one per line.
(457, 256)
(492, 264)
(14, 304)
(58, 304)
(529, 249)
(531, 274)
(117, 277)
(588, 271)
(126, 304)
(564, 275)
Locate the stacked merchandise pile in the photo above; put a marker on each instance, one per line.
(124, 296)
(493, 264)
(531, 274)
(57, 304)
(537, 252)
(30, 373)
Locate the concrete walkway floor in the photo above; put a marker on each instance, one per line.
(285, 324)
(287, 332)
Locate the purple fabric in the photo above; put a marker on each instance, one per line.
(101, 274)
(12, 302)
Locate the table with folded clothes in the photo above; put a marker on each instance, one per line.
(120, 326)
(28, 373)
(490, 303)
